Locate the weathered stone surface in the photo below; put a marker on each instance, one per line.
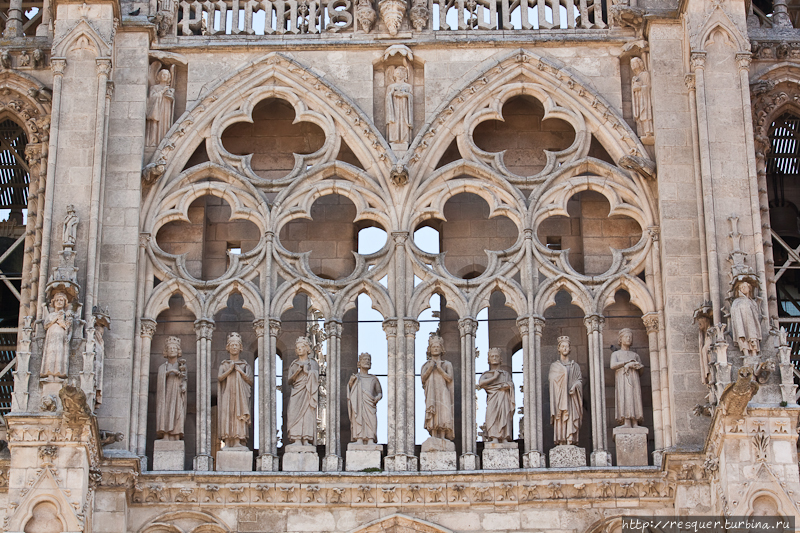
(300, 458)
(567, 455)
(363, 456)
(234, 460)
(168, 455)
(631, 446)
(499, 456)
(438, 460)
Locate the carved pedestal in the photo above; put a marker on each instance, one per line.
(235, 460)
(437, 454)
(168, 455)
(363, 456)
(300, 458)
(500, 455)
(631, 446)
(533, 459)
(567, 455)
(600, 458)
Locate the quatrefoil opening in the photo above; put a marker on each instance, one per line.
(589, 236)
(208, 242)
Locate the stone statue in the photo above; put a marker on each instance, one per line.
(566, 396)
(500, 404)
(70, 228)
(706, 342)
(399, 107)
(301, 417)
(437, 382)
(160, 102)
(101, 322)
(233, 395)
(363, 394)
(642, 102)
(628, 388)
(58, 328)
(365, 15)
(171, 393)
(745, 319)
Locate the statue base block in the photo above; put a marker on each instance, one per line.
(533, 459)
(300, 458)
(168, 455)
(438, 454)
(631, 446)
(567, 455)
(363, 456)
(500, 455)
(235, 460)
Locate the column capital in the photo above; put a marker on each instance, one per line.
(743, 60)
(258, 326)
(651, 322)
(538, 324)
(333, 328)
(144, 239)
(58, 65)
(147, 328)
(412, 326)
(103, 65)
(400, 237)
(523, 325)
(698, 60)
(390, 327)
(467, 326)
(274, 327)
(204, 328)
(689, 80)
(594, 323)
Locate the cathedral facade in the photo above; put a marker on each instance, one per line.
(398, 265)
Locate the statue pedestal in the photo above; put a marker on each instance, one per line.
(300, 458)
(52, 388)
(363, 456)
(500, 455)
(567, 455)
(168, 455)
(631, 446)
(533, 459)
(239, 459)
(437, 454)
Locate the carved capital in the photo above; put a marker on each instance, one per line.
(743, 60)
(698, 60)
(594, 323)
(650, 322)
(58, 65)
(467, 326)
(523, 324)
(274, 327)
(390, 327)
(400, 237)
(538, 325)
(412, 327)
(109, 89)
(147, 328)
(689, 81)
(103, 66)
(654, 232)
(144, 239)
(333, 328)
(204, 328)
(258, 326)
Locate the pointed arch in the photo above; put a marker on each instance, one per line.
(546, 296)
(282, 300)
(515, 296)
(719, 20)
(640, 294)
(45, 489)
(346, 299)
(421, 297)
(84, 28)
(195, 522)
(401, 524)
(159, 298)
(219, 300)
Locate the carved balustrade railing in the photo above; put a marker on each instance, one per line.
(279, 17)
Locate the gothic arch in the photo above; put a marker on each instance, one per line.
(398, 523)
(159, 298)
(640, 294)
(190, 522)
(282, 299)
(219, 300)
(422, 294)
(546, 296)
(515, 296)
(83, 29)
(346, 299)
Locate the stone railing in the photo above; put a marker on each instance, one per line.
(271, 17)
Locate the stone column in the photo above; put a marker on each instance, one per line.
(267, 451)
(58, 64)
(594, 329)
(14, 20)
(469, 427)
(147, 328)
(651, 325)
(45, 28)
(532, 390)
(396, 409)
(333, 444)
(410, 329)
(204, 329)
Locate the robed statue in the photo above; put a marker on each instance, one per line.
(566, 396)
(399, 107)
(745, 320)
(171, 393)
(500, 404)
(437, 382)
(58, 333)
(301, 417)
(628, 388)
(160, 103)
(233, 395)
(363, 394)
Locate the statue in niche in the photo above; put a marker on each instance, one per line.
(160, 102)
(101, 322)
(705, 342)
(399, 107)
(171, 392)
(58, 328)
(304, 379)
(745, 319)
(500, 404)
(70, 228)
(628, 388)
(642, 101)
(363, 394)
(233, 395)
(437, 382)
(566, 396)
